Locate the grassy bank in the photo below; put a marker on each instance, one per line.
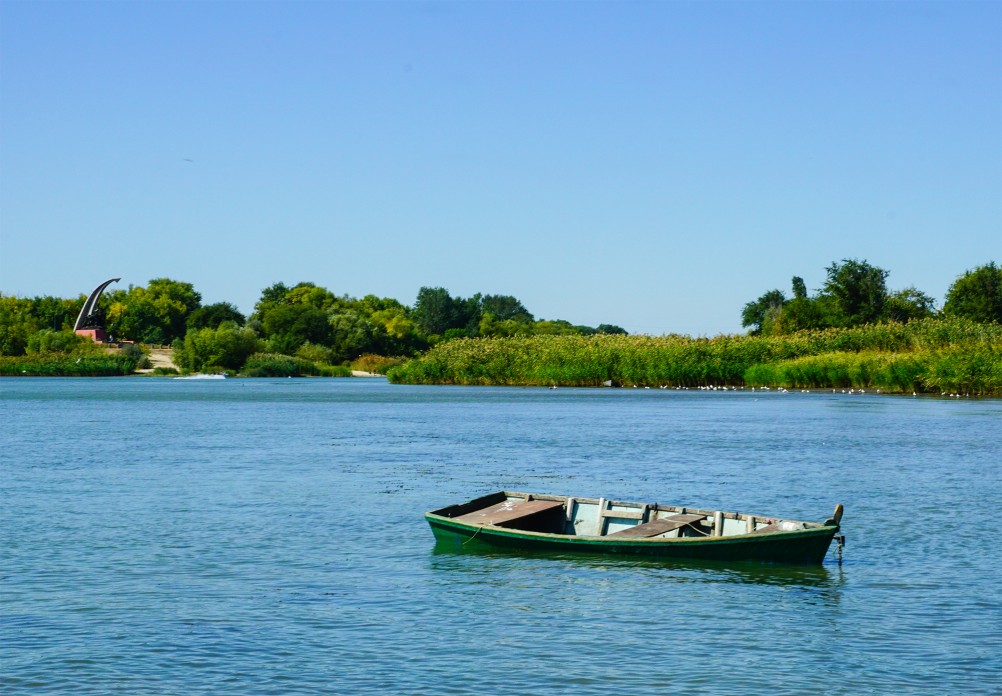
(67, 365)
(931, 356)
(117, 364)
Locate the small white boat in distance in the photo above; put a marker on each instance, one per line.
(202, 375)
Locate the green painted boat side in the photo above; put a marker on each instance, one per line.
(798, 546)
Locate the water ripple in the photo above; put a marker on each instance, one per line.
(266, 537)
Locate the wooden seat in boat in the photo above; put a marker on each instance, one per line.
(508, 511)
(658, 526)
(604, 514)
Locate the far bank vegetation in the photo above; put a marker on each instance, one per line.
(852, 332)
(955, 355)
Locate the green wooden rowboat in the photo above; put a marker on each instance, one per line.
(531, 522)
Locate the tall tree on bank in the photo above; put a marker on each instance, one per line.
(859, 291)
(977, 295)
(154, 314)
(436, 311)
(799, 288)
(504, 308)
(855, 293)
(211, 316)
(289, 326)
(760, 313)
(909, 304)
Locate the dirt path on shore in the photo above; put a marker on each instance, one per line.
(161, 357)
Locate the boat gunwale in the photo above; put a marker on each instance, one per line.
(755, 537)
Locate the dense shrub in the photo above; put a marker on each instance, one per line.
(224, 348)
(315, 353)
(49, 341)
(973, 369)
(375, 364)
(63, 365)
(277, 365)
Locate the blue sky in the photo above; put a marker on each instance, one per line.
(653, 165)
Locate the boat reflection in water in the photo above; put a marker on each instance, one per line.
(499, 562)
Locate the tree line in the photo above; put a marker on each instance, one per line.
(313, 325)
(305, 321)
(855, 293)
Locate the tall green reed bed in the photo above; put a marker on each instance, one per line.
(276, 365)
(931, 355)
(67, 365)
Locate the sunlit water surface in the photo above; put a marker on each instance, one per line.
(266, 536)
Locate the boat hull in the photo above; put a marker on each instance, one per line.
(807, 546)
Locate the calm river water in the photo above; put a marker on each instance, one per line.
(266, 536)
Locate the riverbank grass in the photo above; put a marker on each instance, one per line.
(67, 365)
(924, 356)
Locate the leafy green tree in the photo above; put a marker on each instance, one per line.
(56, 313)
(400, 330)
(16, 324)
(155, 314)
(137, 320)
(352, 335)
(293, 317)
(611, 329)
(555, 327)
(435, 311)
(756, 313)
(314, 296)
(504, 308)
(289, 326)
(211, 316)
(227, 346)
(803, 313)
(859, 291)
(321, 355)
(371, 304)
(490, 326)
(977, 295)
(174, 301)
(909, 304)
(22, 318)
(270, 297)
(303, 293)
(799, 288)
(497, 315)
